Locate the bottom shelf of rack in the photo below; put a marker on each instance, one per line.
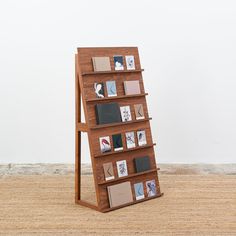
(131, 203)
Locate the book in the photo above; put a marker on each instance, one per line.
(139, 192)
(130, 140)
(101, 63)
(125, 113)
(151, 188)
(111, 88)
(120, 194)
(99, 90)
(142, 164)
(105, 144)
(117, 142)
(138, 109)
(132, 87)
(122, 168)
(141, 135)
(118, 62)
(108, 171)
(107, 113)
(130, 64)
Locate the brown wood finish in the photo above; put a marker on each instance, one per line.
(84, 82)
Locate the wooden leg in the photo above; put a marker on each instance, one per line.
(77, 137)
(79, 165)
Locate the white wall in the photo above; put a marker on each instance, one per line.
(188, 50)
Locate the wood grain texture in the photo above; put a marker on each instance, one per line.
(87, 78)
(193, 205)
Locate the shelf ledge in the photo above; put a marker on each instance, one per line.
(120, 123)
(116, 97)
(124, 151)
(111, 72)
(129, 176)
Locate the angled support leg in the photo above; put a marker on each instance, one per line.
(79, 127)
(77, 137)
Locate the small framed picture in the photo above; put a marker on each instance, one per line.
(99, 90)
(105, 144)
(138, 109)
(122, 168)
(108, 171)
(151, 188)
(139, 192)
(130, 140)
(125, 113)
(111, 88)
(118, 62)
(141, 135)
(132, 87)
(117, 142)
(130, 64)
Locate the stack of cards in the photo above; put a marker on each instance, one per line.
(111, 88)
(125, 113)
(130, 140)
(138, 109)
(141, 135)
(117, 142)
(122, 168)
(105, 144)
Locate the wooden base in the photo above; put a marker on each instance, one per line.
(94, 207)
(87, 204)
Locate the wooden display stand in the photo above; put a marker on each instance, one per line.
(85, 77)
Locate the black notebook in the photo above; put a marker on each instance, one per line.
(117, 142)
(107, 113)
(142, 164)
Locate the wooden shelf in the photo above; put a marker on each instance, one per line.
(123, 151)
(111, 72)
(116, 97)
(129, 176)
(132, 203)
(120, 123)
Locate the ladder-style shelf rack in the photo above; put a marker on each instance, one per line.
(85, 77)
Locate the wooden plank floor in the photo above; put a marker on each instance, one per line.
(192, 205)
